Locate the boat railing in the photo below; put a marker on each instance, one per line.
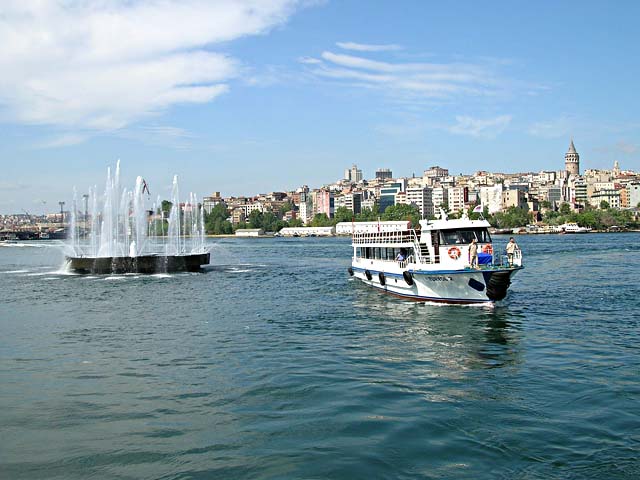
(503, 260)
(400, 236)
(397, 237)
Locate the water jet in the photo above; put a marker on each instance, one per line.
(121, 233)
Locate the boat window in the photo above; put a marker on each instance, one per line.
(465, 235)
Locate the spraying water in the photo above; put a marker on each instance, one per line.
(122, 224)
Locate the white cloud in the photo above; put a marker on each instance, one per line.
(477, 127)
(422, 80)
(556, 128)
(625, 147)
(103, 65)
(309, 60)
(64, 140)
(363, 47)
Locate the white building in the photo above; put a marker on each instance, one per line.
(353, 174)
(422, 198)
(456, 198)
(491, 198)
(612, 197)
(634, 194)
(438, 197)
(249, 232)
(308, 231)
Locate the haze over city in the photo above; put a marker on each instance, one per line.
(249, 97)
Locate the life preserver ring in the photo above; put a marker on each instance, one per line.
(382, 279)
(454, 253)
(487, 249)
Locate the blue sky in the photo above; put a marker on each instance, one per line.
(244, 97)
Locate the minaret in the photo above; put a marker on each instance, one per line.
(572, 160)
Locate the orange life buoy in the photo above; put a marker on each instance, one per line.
(487, 249)
(454, 253)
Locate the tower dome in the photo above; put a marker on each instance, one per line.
(572, 160)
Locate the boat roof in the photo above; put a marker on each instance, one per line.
(454, 224)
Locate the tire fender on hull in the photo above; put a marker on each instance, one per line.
(382, 279)
(497, 284)
(367, 274)
(408, 278)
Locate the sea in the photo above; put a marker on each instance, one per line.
(275, 364)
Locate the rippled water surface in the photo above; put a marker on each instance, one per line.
(275, 364)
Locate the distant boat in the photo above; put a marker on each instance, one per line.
(573, 227)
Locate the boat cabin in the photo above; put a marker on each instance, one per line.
(443, 242)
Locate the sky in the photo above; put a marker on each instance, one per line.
(253, 96)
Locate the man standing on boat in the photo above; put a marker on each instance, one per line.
(512, 246)
(473, 254)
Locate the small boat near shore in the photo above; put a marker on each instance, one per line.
(573, 227)
(432, 263)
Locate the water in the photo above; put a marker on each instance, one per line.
(275, 364)
(121, 222)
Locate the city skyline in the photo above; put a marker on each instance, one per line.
(285, 93)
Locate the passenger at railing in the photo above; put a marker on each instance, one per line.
(512, 246)
(402, 255)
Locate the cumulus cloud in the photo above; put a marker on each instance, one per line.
(103, 65)
(480, 127)
(363, 47)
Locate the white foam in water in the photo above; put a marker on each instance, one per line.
(17, 271)
(161, 275)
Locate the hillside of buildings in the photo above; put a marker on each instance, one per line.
(599, 199)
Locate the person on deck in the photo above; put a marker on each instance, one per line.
(401, 256)
(512, 246)
(473, 254)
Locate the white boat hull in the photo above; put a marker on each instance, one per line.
(448, 286)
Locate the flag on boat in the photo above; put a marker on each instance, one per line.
(477, 209)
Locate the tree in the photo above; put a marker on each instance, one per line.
(216, 222)
(368, 214)
(545, 204)
(286, 207)
(321, 220)
(255, 219)
(513, 217)
(604, 205)
(402, 212)
(342, 214)
(565, 208)
(296, 222)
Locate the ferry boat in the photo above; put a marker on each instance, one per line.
(432, 263)
(573, 227)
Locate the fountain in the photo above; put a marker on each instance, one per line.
(121, 234)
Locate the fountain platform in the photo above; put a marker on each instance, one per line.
(141, 264)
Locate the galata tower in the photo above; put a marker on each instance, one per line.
(572, 160)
